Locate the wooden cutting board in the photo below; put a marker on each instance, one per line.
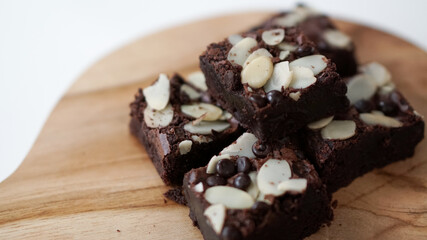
(86, 177)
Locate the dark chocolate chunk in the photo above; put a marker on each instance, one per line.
(231, 233)
(259, 100)
(260, 150)
(243, 164)
(260, 207)
(242, 181)
(364, 106)
(215, 180)
(225, 168)
(274, 97)
(388, 107)
(305, 50)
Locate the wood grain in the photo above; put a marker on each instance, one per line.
(86, 177)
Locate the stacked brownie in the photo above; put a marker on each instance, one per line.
(314, 122)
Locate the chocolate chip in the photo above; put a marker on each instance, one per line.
(388, 107)
(260, 150)
(274, 97)
(231, 233)
(243, 164)
(215, 180)
(305, 50)
(242, 181)
(399, 100)
(364, 106)
(259, 100)
(225, 168)
(260, 207)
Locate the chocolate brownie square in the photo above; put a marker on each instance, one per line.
(241, 196)
(380, 128)
(319, 28)
(179, 125)
(273, 81)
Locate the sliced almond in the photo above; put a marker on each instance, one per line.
(294, 18)
(273, 37)
(418, 114)
(339, 130)
(211, 168)
(234, 39)
(154, 118)
(320, 123)
(284, 54)
(242, 147)
(257, 53)
(387, 88)
(295, 95)
(185, 147)
(257, 72)
(191, 92)
(216, 217)
(360, 87)
(376, 112)
(253, 188)
(302, 77)
(287, 47)
(206, 127)
(281, 77)
(198, 80)
(261, 198)
(316, 63)
(378, 72)
(378, 119)
(226, 116)
(294, 185)
(199, 187)
(272, 173)
(197, 110)
(241, 51)
(289, 20)
(157, 95)
(230, 197)
(201, 139)
(337, 39)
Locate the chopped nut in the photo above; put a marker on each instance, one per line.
(257, 72)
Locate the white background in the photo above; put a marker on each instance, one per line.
(45, 45)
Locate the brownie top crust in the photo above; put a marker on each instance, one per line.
(294, 45)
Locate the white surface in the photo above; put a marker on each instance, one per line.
(45, 45)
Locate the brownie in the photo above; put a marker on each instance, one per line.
(380, 128)
(241, 196)
(273, 81)
(319, 28)
(175, 136)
